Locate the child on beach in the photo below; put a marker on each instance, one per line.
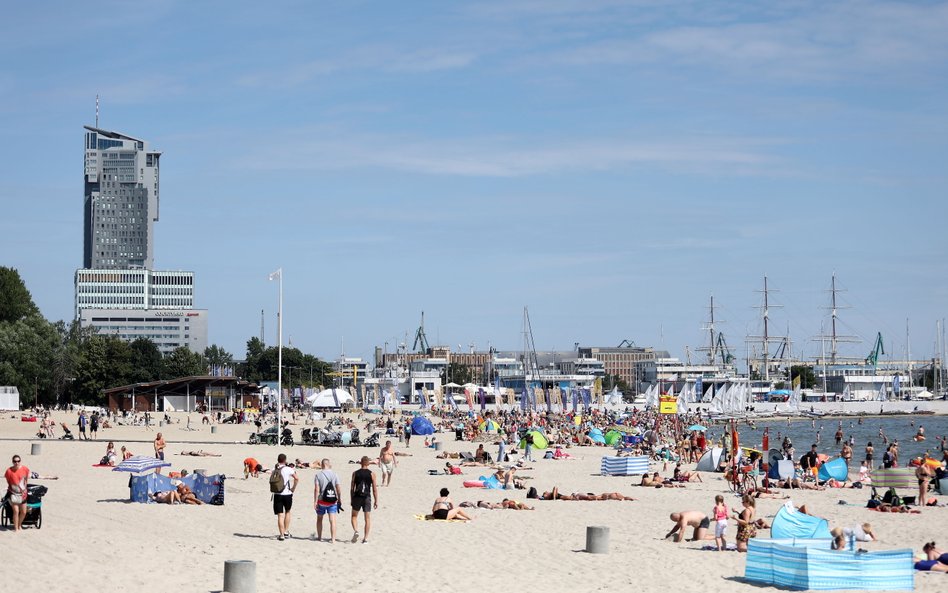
(720, 513)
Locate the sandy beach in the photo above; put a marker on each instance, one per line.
(93, 539)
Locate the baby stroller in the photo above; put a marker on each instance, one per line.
(34, 507)
(372, 441)
(287, 437)
(67, 434)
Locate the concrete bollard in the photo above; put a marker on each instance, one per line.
(201, 472)
(597, 539)
(36, 448)
(240, 576)
(213, 430)
(437, 446)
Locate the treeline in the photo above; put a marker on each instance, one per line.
(62, 363)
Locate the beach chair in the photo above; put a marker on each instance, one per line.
(466, 456)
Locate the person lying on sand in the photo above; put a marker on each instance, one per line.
(446, 455)
(167, 497)
(36, 476)
(506, 503)
(684, 519)
(555, 495)
(198, 453)
(683, 476)
(935, 560)
(656, 481)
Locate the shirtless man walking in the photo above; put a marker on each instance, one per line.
(160, 448)
(387, 463)
(685, 519)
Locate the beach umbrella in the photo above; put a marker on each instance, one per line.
(489, 426)
(612, 437)
(596, 435)
(697, 427)
(539, 441)
(140, 463)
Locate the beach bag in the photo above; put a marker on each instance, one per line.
(329, 493)
(532, 492)
(277, 483)
(891, 497)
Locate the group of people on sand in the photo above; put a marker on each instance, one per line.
(747, 524)
(327, 495)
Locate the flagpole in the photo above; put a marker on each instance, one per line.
(280, 360)
(279, 273)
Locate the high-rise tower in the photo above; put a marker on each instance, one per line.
(121, 201)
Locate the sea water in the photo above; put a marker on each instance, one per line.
(803, 433)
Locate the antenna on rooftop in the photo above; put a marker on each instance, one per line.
(97, 110)
(262, 341)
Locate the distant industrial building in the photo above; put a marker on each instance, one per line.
(624, 361)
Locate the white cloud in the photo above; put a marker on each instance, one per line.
(506, 157)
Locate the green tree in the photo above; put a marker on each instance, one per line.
(28, 348)
(146, 361)
(217, 356)
(15, 300)
(806, 374)
(105, 361)
(183, 363)
(458, 373)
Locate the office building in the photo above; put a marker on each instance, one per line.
(168, 329)
(117, 291)
(121, 201)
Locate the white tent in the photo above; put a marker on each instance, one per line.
(9, 398)
(710, 460)
(331, 398)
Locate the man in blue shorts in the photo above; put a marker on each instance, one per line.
(326, 499)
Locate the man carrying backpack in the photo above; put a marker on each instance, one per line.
(365, 497)
(326, 500)
(282, 484)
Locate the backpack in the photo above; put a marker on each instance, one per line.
(532, 492)
(329, 493)
(277, 483)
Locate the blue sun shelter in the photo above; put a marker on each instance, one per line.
(835, 469)
(421, 425)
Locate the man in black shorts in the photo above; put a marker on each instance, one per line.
(685, 519)
(365, 497)
(283, 501)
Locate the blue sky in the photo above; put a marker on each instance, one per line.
(609, 164)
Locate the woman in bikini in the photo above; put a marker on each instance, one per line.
(444, 509)
(746, 526)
